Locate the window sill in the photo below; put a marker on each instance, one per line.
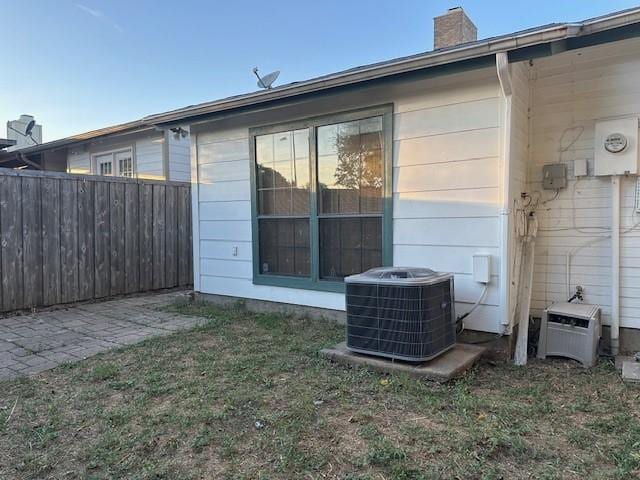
(299, 283)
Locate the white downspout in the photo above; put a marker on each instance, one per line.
(195, 211)
(615, 264)
(504, 76)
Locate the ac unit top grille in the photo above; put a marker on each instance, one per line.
(411, 321)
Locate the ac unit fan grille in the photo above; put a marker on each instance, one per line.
(405, 322)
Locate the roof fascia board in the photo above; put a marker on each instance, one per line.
(574, 43)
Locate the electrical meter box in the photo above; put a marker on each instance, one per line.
(616, 147)
(554, 176)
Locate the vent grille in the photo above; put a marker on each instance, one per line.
(414, 322)
(566, 320)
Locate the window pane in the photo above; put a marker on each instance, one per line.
(284, 246)
(282, 148)
(282, 173)
(105, 164)
(266, 202)
(349, 245)
(282, 162)
(125, 167)
(125, 163)
(350, 167)
(105, 168)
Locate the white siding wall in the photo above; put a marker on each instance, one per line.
(446, 191)
(179, 158)
(572, 91)
(224, 196)
(447, 187)
(78, 161)
(147, 149)
(148, 153)
(519, 149)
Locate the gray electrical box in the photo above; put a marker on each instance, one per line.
(554, 176)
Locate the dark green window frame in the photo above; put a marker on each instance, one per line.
(313, 282)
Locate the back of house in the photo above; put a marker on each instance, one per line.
(427, 161)
(478, 149)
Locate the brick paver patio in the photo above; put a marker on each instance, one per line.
(40, 341)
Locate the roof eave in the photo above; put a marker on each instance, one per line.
(122, 129)
(474, 50)
(432, 59)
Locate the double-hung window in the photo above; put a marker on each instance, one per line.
(322, 199)
(118, 163)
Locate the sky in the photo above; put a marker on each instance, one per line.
(86, 64)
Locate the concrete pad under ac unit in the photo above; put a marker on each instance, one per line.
(443, 368)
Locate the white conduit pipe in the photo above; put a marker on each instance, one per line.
(615, 264)
(480, 298)
(504, 77)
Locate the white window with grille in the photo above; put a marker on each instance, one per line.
(104, 164)
(115, 163)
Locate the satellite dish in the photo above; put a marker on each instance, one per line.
(29, 129)
(267, 80)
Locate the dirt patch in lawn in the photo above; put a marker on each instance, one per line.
(247, 396)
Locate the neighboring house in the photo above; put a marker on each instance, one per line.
(422, 161)
(135, 149)
(16, 130)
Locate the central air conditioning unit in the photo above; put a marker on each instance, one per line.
(401, 313)
(571, 330)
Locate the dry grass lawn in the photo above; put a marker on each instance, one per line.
(247, 396)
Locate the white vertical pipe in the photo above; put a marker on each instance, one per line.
(504, 77)
(195, 211)
(504, 221)
(615, 264)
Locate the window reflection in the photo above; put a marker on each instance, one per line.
(350, 182)
(350, 167)
(283, 179)
(283, 173)
(349, 245)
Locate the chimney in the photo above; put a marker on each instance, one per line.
(453, 28)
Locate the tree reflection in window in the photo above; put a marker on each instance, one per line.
(350, 182)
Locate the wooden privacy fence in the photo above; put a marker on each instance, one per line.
(66, 238)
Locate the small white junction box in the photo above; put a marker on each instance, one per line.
(580, 167)
(616, 147)
(482, 267)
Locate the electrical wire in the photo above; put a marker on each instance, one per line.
(561, 149)
(551, 199)
(459, 320)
